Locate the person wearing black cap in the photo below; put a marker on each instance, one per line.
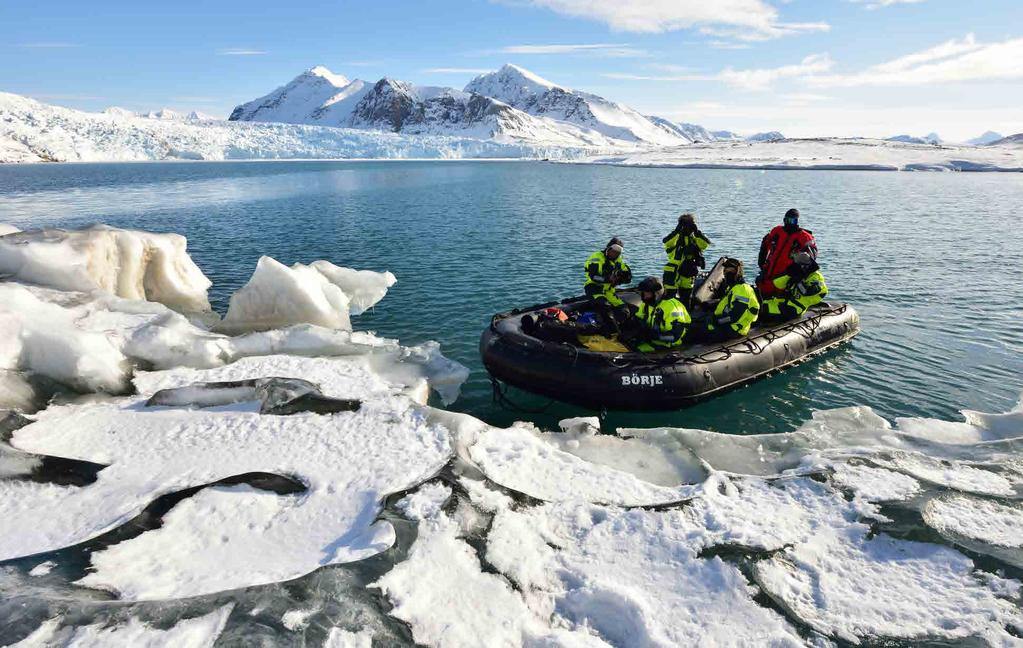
(777, 248)
(738, 309)
(662, 321)
(605, 270)
(685, 246)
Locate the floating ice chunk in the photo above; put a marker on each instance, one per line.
(520, 459)
(6, 229)
(978, 519)
(199, 632)
(340, 638)
(323, 294)
(349, 463)
(754, 514)
(441, 591)
(43, 338)
(875, 484)
(277, 296)
(295, 619)
(854, 588)
(426, 503)
(652, 462)
(626, 575)
(363, 288)
(953, 474)
(43, 568)
(127, 263)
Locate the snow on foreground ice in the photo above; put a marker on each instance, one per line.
(100, 303)
(468, 534)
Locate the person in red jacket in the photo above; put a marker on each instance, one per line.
(777, 248)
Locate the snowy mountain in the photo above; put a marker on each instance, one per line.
(985, 139)
(769, 136)
(727, 136)
(163, 114)
(931, 138)
(537, 96)
(320, 97)
(1011, 140)
(31, 131)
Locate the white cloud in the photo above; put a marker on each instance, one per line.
(239, 51)
(752, 79)
(949, 62)
(877, 4)
(738, 19)
(614, 50)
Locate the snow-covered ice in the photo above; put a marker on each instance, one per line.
(323, 294)
(126, 263)
(505, 536)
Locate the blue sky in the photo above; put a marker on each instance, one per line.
(805, 67)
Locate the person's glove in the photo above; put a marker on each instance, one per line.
(700, 261)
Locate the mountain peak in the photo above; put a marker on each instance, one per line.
(338, 80)
(515, 71)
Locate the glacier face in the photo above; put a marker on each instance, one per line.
(31, 131)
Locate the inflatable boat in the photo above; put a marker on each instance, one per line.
(664, 380)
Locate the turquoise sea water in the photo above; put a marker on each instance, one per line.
(930, 260)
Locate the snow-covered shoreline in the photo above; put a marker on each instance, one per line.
(33, 132)
(823, 154)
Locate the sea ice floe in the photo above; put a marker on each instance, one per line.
(520, 458)
(197, 632)
(634, 578)
(277, 296)
(126, 263)
(990, 522)
(957, 475)
(875, 484)
(847, 584)
(222, 537)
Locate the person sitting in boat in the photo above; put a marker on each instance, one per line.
(685, 246)
(802, 285)
(737, 310)
(661, 321)
(776, 251)
(605, 270)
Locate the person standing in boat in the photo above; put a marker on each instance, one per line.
(684, 246)
(737, 310)
(606, 270)
(776, 251)
(801, 286)
(663, 320)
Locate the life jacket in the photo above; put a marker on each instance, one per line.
(776, 254)
(685, 254)
(668, 319)
(737, 310)
(798, 295)
(599, 270)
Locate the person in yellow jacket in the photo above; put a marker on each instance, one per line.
(737, 310)
(684, 246)
(663, 320)
(800, 286)
(606, 270)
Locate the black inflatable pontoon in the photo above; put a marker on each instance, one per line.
(654, 381)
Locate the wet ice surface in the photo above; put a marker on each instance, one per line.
(232, 501)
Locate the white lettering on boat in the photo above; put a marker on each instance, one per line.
(642, 381)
